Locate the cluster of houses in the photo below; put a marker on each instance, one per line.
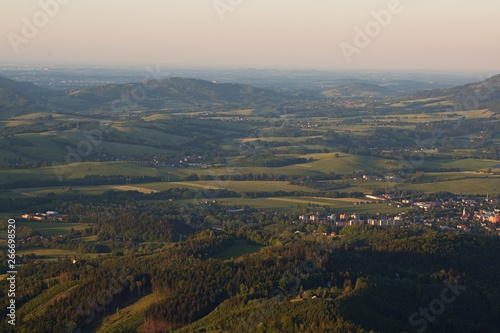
(191, 161)
(51, 214)
(426, 206)
(474, 215)
(487, 216)
(188, 161)
(481, 215)
(344, 220)
(459, 228)
(387, 221)
(41, 238)
(304, 296)
(387, 178)
(310, 124)
(214, 116)
(314, 217)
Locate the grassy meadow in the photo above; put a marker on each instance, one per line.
(236, 250)
(52, 228)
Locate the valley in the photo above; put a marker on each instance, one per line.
(194, 206)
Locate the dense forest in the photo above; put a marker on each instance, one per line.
(365, 279)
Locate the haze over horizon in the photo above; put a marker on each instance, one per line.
(448, 35)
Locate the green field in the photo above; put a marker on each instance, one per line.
(322, 164)
(48, 253)
(55, 254)
(130, 317)
(43, 191)
(38, 305)
(291, 204)
(463, 165)
(232, 185)
(239, 248)
(52, 228)
(7, 194)
(80, 170)
(441, 176)
(483, 186)
(237, 186)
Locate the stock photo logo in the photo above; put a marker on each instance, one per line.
(122, 107)
(222, 7)
(31, 26)
(249, 181)
(420, 320)
(363, 37)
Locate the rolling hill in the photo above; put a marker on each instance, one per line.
(169, 92)
(16, 94)
(19, 87)
(480, 95)
(176, 91)
(29, 96)
(182, 92)
(359, 90)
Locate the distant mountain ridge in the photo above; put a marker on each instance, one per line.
(185, 92)
(176, 91)
(149, 94)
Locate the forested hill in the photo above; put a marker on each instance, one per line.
(358, 89)
(151, 94)
(366, 280)
(480, 95)
(17, 94)
(182, 92)
(177, 91)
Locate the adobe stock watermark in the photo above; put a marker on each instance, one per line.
(223, 6)
(31, 26)
(289, 283)
(89, 310)
(76, 154)
(416, 159)
(372, 29)
(128, 102)
(420, 319)
(230, 170)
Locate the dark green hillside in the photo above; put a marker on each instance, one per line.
(174, 92)
(358, 90)
(11, 99)
(16, 94)
(29, 97)
(480, 95)
(166, 93)
(366, 279)
(19, 87)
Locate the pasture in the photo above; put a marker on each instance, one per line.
(471, 186)
(52, 228)
(292, 204)
(53, 254)
(129, 317)
(237, 249)
(231, 185)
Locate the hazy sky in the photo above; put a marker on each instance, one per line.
(422, 34)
